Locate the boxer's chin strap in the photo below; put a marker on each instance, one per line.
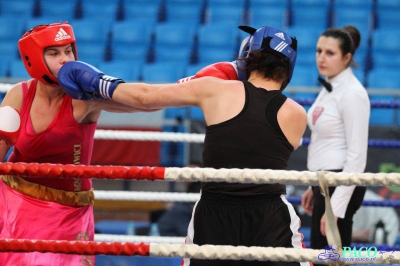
(331, 229)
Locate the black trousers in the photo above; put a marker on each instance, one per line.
(243, 221)
(318, 241)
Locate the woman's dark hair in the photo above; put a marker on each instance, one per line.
(272, 66)
(349, 38)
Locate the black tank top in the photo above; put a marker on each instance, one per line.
(252, 139)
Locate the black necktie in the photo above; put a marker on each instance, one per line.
(326, 84)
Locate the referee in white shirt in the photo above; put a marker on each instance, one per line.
(339, 121)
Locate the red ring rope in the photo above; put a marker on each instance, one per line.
(82, 171)
(74, 247)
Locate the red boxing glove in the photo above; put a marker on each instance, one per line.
(222, 70)
(10, 125)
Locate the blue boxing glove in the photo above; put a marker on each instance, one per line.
(82, 81)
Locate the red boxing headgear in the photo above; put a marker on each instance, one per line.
(33, 43)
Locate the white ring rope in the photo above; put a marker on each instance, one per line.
(175, 247)
(291, 177)
(118, 195)
(146, 196)
(251, 253)
(5, 87)
(149, 136)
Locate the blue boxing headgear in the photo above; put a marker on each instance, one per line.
(268, 39)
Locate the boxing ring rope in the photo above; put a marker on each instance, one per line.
(199, 138)
(189, 174)
(176, 250)
(185, 174)
(116, 195)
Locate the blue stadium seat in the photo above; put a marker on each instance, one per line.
(225, 11)
(220, 35)
(124, 69)
(195, 113)
(360, 18)
(382, 116)
(174, 41)
(304, 76)
(142, 9)
(13, 31)
(104, 11)
(209, 55)
(91, 31)
(307, 37)
(161, 72)
(185, 12)
(4, 68)
(91, 39)
(22, 9)
(92, 54)
(168, 54)
(62, 11)
(310, 13)
(233, 15)
(128, 3)
(172, 153)
(355, 4)
(276, 17)
(9, 36)
(387, 13)
(386, 18)
(270, 3)
(306, 57)
(305, 96)
(388, 4)
(17, 70)
(385, 43)
(9, 51)
(131, 40)
(383, 78)
(386, 39)
(226, 3)
(220, 41)
(385, 59)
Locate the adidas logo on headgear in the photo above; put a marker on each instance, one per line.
(62, 35)
(280, 35)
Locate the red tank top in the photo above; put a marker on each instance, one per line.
(65, 141)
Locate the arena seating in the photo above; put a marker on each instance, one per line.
(64, 10)
(128, 44)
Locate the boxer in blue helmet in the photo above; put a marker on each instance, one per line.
(271, 40)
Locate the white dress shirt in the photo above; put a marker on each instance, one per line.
(339, 122)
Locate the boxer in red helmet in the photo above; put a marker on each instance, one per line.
(34, 42)
(47, 126)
